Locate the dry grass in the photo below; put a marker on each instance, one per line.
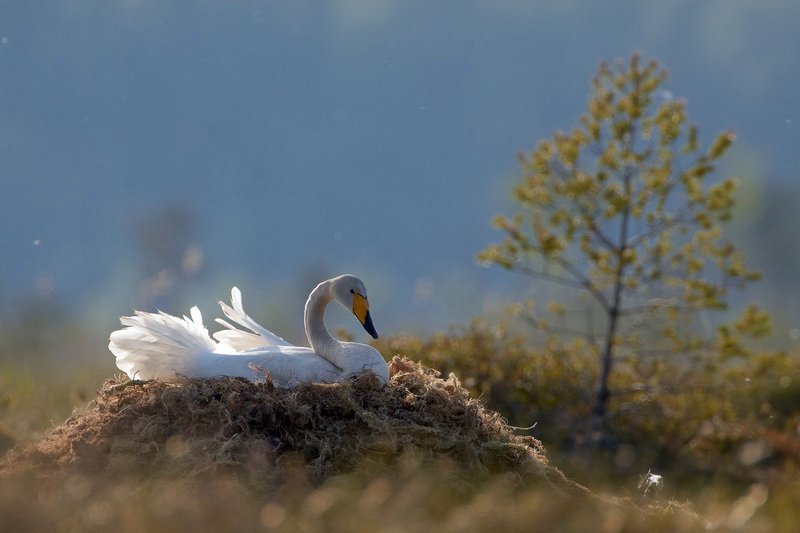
(231, 423)
(226, 453)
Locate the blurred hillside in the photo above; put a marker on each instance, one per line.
(271, 143)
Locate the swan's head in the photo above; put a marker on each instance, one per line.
(351, 293)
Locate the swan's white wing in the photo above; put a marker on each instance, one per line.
(287, 366)
(236, 339)
(162, 346)
(158, 345)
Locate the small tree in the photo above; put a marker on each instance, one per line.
(620, 209)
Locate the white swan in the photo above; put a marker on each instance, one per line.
(162, 346)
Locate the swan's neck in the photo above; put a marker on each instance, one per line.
(318, 336)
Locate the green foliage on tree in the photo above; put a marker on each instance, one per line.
(623, 209)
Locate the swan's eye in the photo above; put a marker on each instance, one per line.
(352, 291)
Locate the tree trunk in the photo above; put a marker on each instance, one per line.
(600, 407)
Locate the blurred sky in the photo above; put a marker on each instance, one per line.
(294, 139)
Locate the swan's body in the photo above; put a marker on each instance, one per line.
(162, 346)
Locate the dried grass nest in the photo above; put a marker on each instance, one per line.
(202, 425)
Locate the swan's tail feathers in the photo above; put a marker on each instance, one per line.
(238, 339)
(160, 346)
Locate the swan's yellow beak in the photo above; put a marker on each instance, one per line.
(361, 310)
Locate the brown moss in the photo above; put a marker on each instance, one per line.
(227, 454)
(260, 432)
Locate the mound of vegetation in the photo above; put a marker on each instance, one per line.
(228, 454)
(208, 425)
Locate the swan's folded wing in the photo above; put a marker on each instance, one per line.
(286, 366)
(244, 340)
(236, 340)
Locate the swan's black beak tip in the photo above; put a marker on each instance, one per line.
(369, 327)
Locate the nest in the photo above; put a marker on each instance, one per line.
(256, 430)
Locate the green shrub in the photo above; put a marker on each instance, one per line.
(733, 420)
